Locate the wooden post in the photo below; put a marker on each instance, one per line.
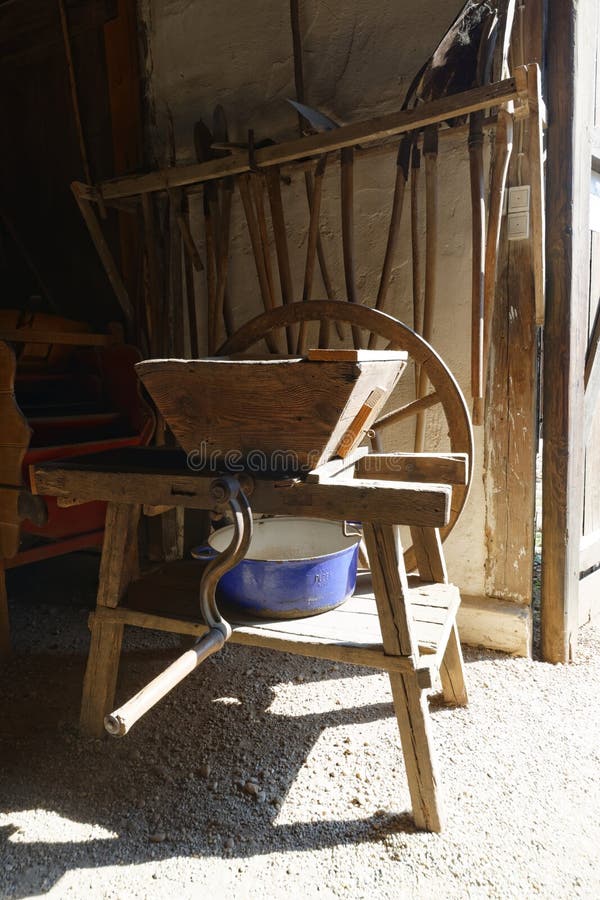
(510, 414)
(570, 92)
(410, 701)
(118, 567)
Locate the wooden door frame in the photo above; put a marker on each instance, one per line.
(570, 55)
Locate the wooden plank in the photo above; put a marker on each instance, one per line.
(436, 468)
(510, 418)
(350, 653)
(375, 129)
(349, 355)
(66, 338)
(570, 60)
(357, 499)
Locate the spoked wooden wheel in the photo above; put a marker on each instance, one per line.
(444, 390)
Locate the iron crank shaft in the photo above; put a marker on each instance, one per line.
(225, 491)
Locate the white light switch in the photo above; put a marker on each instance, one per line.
(518, 226)
(518, 198)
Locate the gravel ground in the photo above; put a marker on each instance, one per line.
(266, 775)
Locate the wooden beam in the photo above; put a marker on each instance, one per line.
(73, 338)
(510, 418)
(103, 250)
(315, 145)
(357, 499)
(570, 81)
(432, 468)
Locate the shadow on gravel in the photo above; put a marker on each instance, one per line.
(175, 785)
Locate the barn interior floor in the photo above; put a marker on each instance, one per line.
(270, 775)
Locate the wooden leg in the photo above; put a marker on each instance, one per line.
(118, 567)
(410, 702)
(412, 712)
(5, 648)
(120, 563)
(100, 680)
(452, 672)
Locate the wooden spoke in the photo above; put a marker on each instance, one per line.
(395, 335)
(411, 409)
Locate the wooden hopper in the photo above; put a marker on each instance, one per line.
(276, 414)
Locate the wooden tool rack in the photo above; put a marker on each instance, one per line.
(403, 625)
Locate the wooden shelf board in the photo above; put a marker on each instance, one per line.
(167, 599)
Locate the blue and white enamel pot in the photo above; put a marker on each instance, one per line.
(294, 567)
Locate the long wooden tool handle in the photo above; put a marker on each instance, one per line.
(257, 189)
(417, 293)
(281, 246)
(257, 249)
(211, 270)
(222, 264)
(119, 722)
(402, 169)
(192, 262)
(536, 173)
(430, 151)
(478, 253)
(417, 284)
(347, 191)
(325, 328)
(311, 249)
(500, 164)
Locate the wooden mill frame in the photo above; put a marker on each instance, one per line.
(557, 36)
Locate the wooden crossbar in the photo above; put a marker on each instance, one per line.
(375, 129)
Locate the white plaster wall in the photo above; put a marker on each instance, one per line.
(359, 58)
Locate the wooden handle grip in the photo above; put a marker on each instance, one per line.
(121, 720)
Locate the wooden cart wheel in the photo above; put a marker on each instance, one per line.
(444, 388)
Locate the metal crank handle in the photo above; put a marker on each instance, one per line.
(119, 722)
(225, 490)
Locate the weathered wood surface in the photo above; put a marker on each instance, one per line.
(571, 54)
(452, 672)
(432, 468)
(118, 567)
(293, 410)
(167, 600)
(15, 435)
(346, 355)
(511, 365)
(410, 703)
(374, 129)
(358, 499)
(68, 338)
